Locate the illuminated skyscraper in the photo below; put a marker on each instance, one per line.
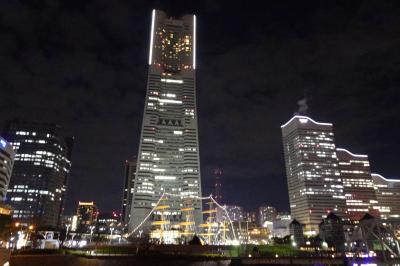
(314, 183)
(168, 157)
(358, 185)
(39, 180)
(388, 195)
(7, 155)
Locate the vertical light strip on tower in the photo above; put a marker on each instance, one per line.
(194, 41)
(153, 16)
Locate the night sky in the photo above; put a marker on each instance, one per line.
(83, 65)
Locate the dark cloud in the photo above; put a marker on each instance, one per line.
(82, 64)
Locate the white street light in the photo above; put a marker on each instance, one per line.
(111, 230)
(91, 232)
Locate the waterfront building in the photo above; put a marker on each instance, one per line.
(168, 157)
(331, 231)
(40, 174)
(296, 232)
(388, 195)
(313, 176)
(7, 155)
(358, 185)
(129, 182)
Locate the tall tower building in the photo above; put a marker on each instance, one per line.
(388, 195)
(168, 157)
(39, 180)
(218, 185)
(314, 183)
(130, 172)
(358, 185)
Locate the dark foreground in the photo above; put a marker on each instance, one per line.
(72, 260)
(67, 260)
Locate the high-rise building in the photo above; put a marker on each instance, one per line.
(313, 176)
(251, 217)
(266, 214)
(87, 214)
(358, 185)
(388, 195)
(218, 186)
(168, 157)
(130, 172)
(39, 180)
(7, 155)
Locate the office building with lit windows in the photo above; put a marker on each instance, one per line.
(130, 173)
(7, 155)
(358, 185)
(87, 214)
(168, 157)
(313, 176)
(39, 180)
(388, 195)
(267, 214)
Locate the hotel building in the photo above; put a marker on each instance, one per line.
(313, 175)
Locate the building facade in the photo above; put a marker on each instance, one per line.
(168, 157)
(388, 195)
(313, 176)
(358, 185)
(281, 226)
(332, 232)
(251, 217)
(7, 156)
(129, 182)
(87, 214)
(42, 164)
(266, 214)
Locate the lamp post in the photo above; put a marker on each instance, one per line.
(91, 232)
(111, 230)
(66, 233)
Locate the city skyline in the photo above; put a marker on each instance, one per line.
(101, 103)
